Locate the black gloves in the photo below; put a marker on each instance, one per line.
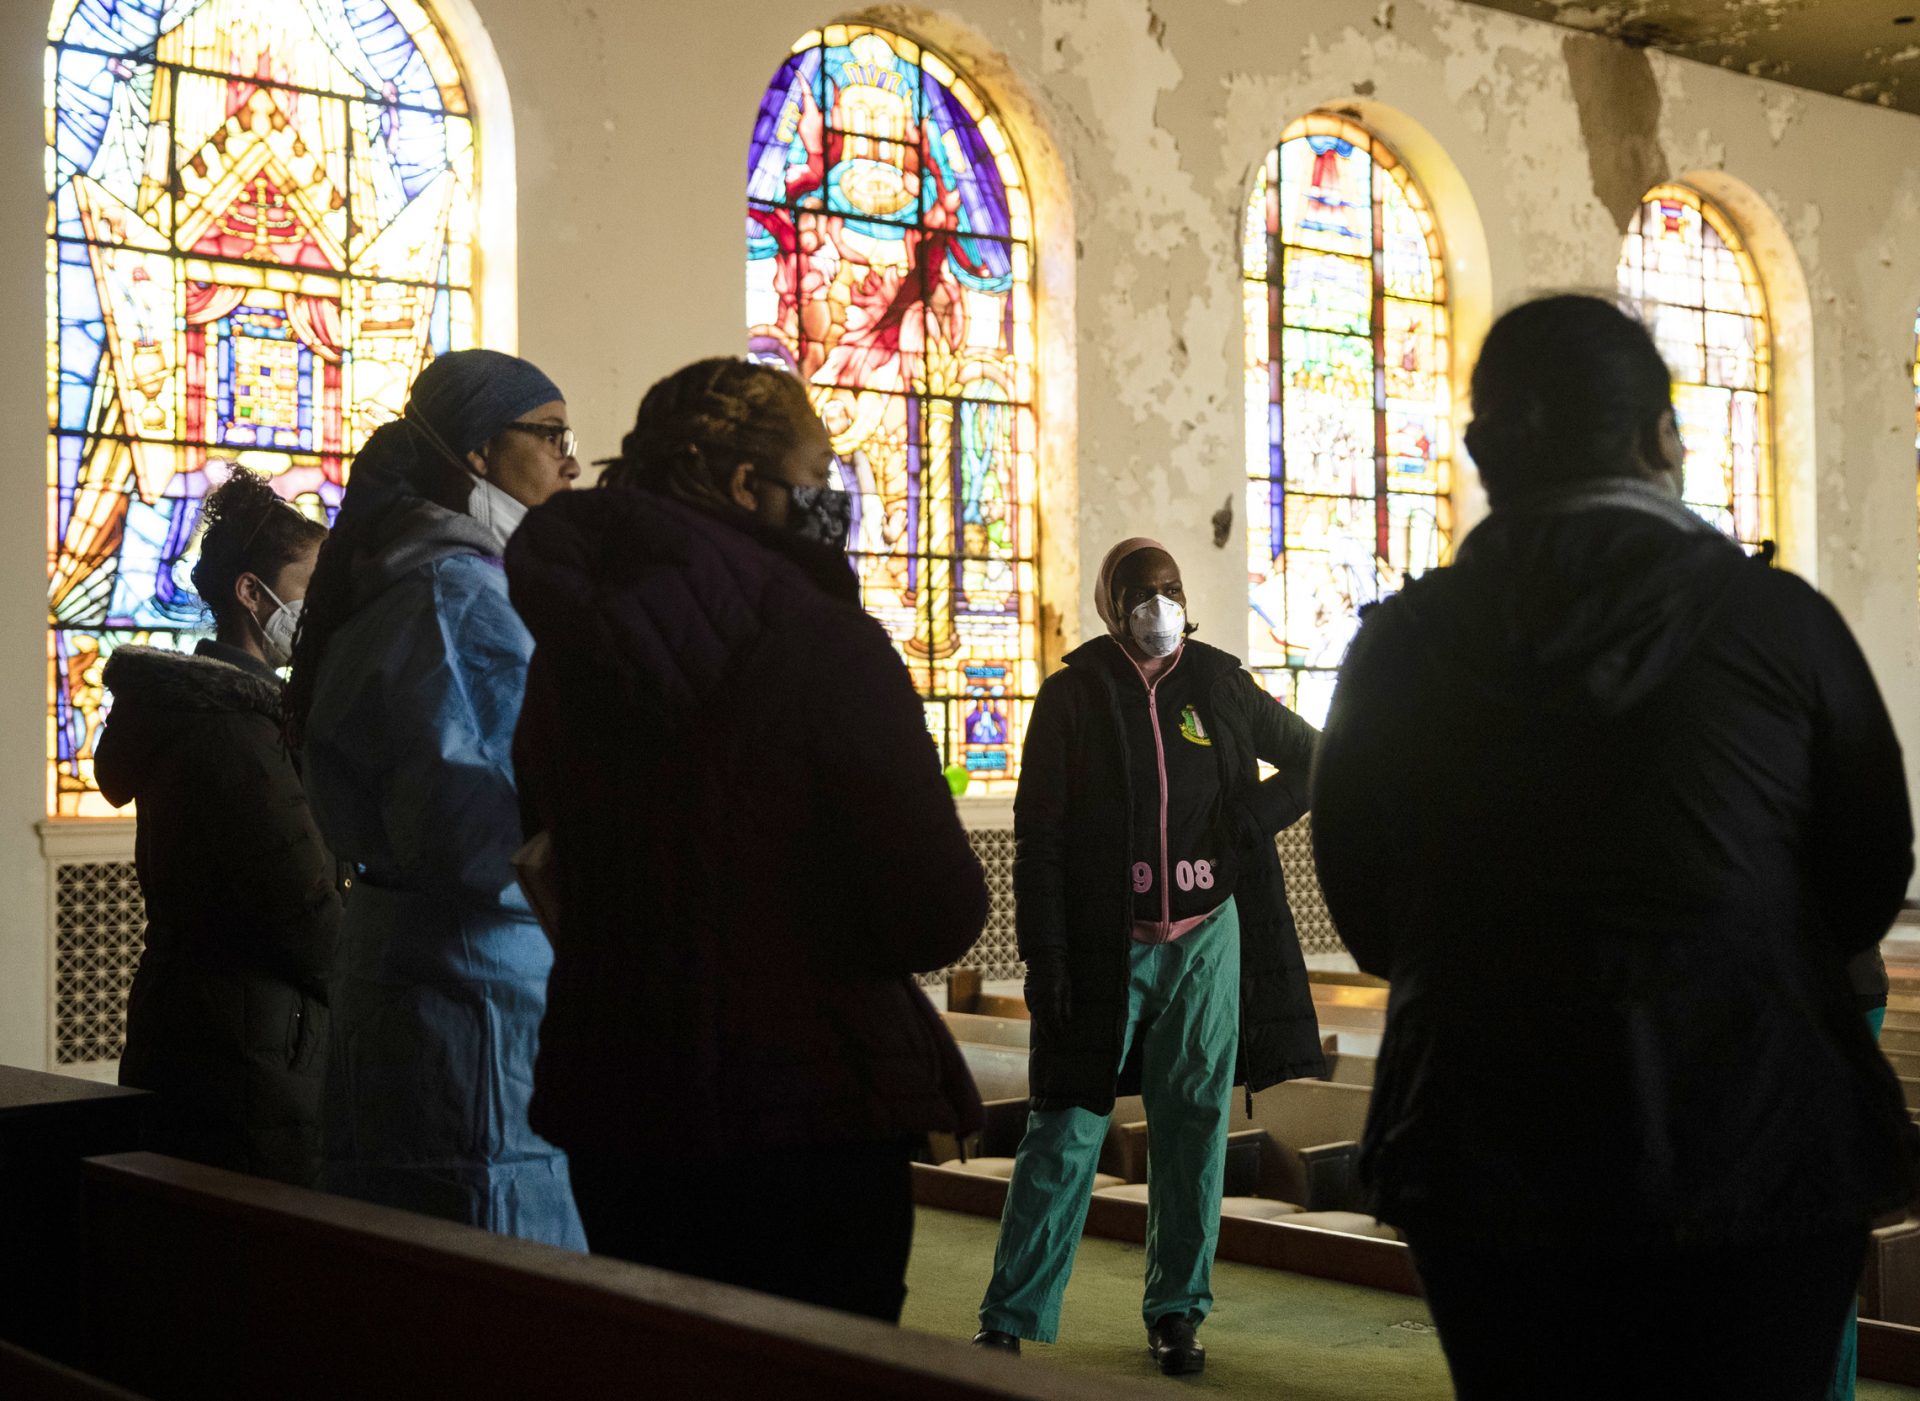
(1049, 989)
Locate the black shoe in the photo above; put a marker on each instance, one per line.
(1173, 1345)
(996, 1341)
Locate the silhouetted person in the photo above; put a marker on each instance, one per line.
(227, 1021)
(754, 848)
(1612, 805)
(407, 680)
(1161, 952)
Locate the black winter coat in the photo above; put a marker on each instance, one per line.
(754, 844)
(1073, 822)
(227, 1022)
(1612, 805)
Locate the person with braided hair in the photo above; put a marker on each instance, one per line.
(407, 679)
(754, 848)
(227, 1022)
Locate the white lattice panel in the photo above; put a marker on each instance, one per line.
(1310, 915)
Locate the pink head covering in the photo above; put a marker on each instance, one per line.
(1103, 589)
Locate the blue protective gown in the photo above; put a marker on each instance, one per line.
(443, 968)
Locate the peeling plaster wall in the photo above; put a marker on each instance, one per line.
(631, 123)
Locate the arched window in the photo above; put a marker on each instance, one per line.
(1349, 401)
(262, 227)
(1685, 272)
(889, 264)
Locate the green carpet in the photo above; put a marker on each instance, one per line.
(1270, 1333)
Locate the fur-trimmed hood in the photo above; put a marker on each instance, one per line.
(148, 676)
(153, 691)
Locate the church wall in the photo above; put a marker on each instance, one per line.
(630, 124)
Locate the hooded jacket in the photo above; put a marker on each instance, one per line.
(754, 845)
(1612, 805)
(444, 968)
(227, 1021)
(1081, 785)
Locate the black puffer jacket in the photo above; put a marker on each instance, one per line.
(228, 1017)
(754, 844)
(1612, 805)
(1073, 827)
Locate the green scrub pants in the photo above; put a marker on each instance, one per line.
(1845, 1374)
(1184, 999)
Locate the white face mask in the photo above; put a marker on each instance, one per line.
(1158, 625)
(495, 512)
(277, 632)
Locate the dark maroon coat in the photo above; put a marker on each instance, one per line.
(755, 845)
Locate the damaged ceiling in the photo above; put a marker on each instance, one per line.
(1868, 50)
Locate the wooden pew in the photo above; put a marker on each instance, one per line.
(26, 1374)
(48, 1124)
(208, 1284)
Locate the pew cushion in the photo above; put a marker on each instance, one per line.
(1253, 1208)
(1002, 1168)
(1351, 1223)
(1257, 1208)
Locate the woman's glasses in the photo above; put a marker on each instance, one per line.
(557, 435)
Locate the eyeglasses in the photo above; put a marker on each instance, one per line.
(558, 435)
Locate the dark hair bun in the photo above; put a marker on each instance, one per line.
(246, 528)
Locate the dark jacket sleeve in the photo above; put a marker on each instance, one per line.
(277, 879)
(1861, 825)
(922, 897)
(1039, 824)
(1287, 742)
(1350, 834)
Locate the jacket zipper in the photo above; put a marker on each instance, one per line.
(1160, 760)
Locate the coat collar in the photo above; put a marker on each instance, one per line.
(165, 680)
(1104, 656)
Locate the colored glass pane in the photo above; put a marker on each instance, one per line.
(1684, 271)
(261, 228)
(1348, 431)
(890, 266)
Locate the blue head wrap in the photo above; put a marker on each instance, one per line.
(465, 397)
(458, 404)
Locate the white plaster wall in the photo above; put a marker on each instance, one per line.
(23, 537)
(632, 120)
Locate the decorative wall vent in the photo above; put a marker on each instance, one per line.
(99, 924)
(997, 956)
(1310, 915)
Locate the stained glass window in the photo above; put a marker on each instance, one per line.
(1685, 273)
(1349, 400)
(889, 265)
(260, 227)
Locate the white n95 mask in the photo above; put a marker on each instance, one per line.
(1158, 625)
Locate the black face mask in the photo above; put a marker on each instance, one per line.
(822, 514)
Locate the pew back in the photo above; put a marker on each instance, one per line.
(202, 1283)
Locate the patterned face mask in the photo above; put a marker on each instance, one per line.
(820, 513)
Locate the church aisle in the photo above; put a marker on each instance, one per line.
(1324, 1341)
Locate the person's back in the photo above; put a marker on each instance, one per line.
(1612, 805)
(754, 848)
(728, 975)
(1624, 881)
